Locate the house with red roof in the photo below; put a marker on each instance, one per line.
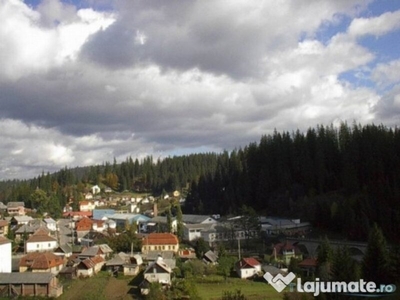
(90, 266)
(160, 242)
(41, 262)
(41, 241)
(284, 252)
(248, 267)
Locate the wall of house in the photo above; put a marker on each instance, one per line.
(158, 277)
(5, 258)
(41, 246)
(131, 271)
(84, 272)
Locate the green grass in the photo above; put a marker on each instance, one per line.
(213, 287)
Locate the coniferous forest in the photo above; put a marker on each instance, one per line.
(339, 178)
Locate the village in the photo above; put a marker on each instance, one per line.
(38, 254)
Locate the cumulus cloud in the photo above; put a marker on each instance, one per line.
(80, 86)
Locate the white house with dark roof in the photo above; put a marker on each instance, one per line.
(41, 241)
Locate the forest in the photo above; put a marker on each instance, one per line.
(343, 179)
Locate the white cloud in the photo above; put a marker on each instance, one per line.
(387, 74)
(376, 26)
(27, 47)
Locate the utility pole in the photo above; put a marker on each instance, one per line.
(239, 247)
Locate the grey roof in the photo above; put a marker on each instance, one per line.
(92, 251)
(49, 220)
(153, 255)
(273, 270)
(26, 277)
(211, 256)
(193, 219)
(105, 248)
(116, 261)
(23, 218)
(15, 204)
(66, 248)
(2, 206)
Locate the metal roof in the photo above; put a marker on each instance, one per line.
(26, 278)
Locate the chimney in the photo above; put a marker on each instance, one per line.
(155, 209)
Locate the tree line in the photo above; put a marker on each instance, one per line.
(340, 178)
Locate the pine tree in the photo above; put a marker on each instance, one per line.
(376, 262)
(179, 221)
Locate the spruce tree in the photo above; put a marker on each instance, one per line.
(375, 265)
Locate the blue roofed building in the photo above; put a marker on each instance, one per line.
(98, 214)
(121, 219)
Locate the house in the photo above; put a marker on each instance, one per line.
(187, 254)
(85, 225)
(160, 242)
(192, 232)
(16, 208)
(248, 267)
(30, 284)
(27, 230)
(5, 255)
(162, 223)
(90, 266)
(197, 219)
(3, 207)
(41, 262)
(4, 227)
(308, 266)
(20, 220)
(63, 250)
(122, 219)
(77, 215)
(103, 251)
(100, 214)
(125, 263)
(50, 224)
(107, 190)
(95, 189)
(41, 241)
(284, 252)
(92, 237)
(68, 273)
(86, 205)
(159, 272)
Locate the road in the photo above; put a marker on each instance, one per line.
(65, 232)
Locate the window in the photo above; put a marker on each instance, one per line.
(49, 245)
(37, 245)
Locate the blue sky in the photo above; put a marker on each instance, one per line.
(85, 81)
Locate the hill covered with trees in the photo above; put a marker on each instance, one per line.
(343, 179)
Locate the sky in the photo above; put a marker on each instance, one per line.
(84, 82)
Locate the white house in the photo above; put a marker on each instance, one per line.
(41, 241)
(50, 224)
(5, 255)
(87, 205)
(95, 189)
(248, 267)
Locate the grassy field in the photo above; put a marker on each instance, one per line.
(104, 287)
(99, 287)
(213, 287)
